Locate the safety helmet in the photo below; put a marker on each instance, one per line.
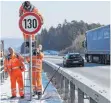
(26, 5)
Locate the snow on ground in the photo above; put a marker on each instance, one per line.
(50, 96)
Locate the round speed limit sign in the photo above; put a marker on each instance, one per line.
(30, 23)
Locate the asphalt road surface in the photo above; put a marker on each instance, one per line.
(98, 73)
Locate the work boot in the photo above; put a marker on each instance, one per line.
(39, 95)
(22, 97)
(34, 93)
(12, 97)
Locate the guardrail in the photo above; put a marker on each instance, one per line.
(3, 75)
(60, 56)
(53, 56)
(72, 86)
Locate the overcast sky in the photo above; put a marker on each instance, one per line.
(54, 12)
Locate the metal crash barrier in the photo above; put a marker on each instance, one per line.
(3, 75)
(74, 88)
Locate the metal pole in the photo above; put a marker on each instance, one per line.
(72, 92)
(30, 71)
(66, 96)
(62, 86)
(92, 101)
(80, 96)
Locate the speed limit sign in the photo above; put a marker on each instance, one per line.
(30, 23)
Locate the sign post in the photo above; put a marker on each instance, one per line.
(30, 71)
(30, 23)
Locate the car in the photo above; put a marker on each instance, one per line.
(72, 59)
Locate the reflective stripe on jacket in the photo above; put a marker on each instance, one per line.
(13, 62)
(36, 62)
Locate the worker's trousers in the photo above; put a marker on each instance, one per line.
(16, 76)
(37, 80)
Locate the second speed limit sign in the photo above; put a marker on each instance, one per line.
(30, 23)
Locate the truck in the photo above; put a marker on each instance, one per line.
(97, 45)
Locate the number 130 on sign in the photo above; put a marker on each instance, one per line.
(30, 23)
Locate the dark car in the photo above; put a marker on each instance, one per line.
(73, 59)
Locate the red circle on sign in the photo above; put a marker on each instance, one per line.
(39, 23)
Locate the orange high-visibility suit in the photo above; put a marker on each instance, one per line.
(14, 66)
(21, 12)
(36, 72)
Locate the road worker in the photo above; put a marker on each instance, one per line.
(28, 7)
(37, 72)
(14, 66)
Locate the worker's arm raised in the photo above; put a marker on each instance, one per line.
(37, 12)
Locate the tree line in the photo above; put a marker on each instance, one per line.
(64, 35)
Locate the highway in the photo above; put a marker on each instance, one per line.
(98, 73)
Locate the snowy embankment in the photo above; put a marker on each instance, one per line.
(50, 96)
